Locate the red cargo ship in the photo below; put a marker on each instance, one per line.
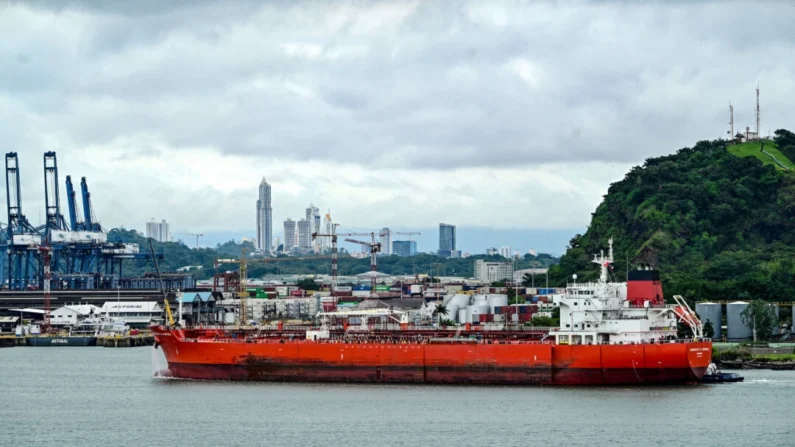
(611, 334)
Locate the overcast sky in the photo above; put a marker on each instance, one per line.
(408, 113)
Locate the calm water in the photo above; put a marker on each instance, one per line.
(98, 396)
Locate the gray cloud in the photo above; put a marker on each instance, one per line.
(429, 87)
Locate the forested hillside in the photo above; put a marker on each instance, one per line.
(717, 224)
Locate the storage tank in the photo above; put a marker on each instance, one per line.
(452, 312)
(477, 311)
(496, 301)
(712, 312)
(459, 300)
(736, 329)
(480, 299)
(462, 315)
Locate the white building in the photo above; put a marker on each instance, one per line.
(489, 272)
(505, 252)
(289, 234)
(158, 231)
(327, 229)
(73, 315)
(134, 313)
(386, 241)
(304, 233)
(264, 217)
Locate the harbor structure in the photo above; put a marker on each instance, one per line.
(264, 217)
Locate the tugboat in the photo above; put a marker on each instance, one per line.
(714, 375)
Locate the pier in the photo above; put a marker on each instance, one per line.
(126, 341)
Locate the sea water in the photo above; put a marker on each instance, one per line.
(91, 396)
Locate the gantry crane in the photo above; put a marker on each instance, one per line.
(375, 247)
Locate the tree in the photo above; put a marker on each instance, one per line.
(307, 284)
(761, 317)
(439, 311)
(528, 280)
(709, 331)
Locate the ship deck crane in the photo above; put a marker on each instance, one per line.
(375, 247)
(166, 305)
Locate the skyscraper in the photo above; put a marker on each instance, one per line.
(304, 234)
(289, 234)
(313, 217)
(386, 241)
(404, 248)
(158, 231)
(327, 227)
(446, 239)
(264, 217)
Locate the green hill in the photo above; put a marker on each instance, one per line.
(716, 224)
(771, 155)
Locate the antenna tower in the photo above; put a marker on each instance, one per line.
(731, 122)
(758, 135)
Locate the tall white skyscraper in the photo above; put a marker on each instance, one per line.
(289, 234)
(158, 231)
(264, 217)
(327, 227)
(313, 217)
(386, 241)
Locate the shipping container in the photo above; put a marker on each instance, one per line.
(344, 289)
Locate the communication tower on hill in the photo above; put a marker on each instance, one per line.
(758, 135)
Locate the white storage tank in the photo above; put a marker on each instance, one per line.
(735, 328)
(477, 311)
(497, 301)
(480, 299)
(459, 300)
(712, 312)
(462, 315)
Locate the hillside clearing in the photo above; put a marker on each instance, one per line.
(752, 149)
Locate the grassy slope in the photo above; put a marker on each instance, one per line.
(751, 149)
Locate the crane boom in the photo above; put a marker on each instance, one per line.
(162, 287)
(71, 202)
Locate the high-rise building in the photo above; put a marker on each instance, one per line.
(404, 248)
(505, 251)
(327, 228)
(289, 234)
(386, 241)
(264, 217)
(446, 239)
(158, 231)
(304, 234)
(489, 272)
(313, 217)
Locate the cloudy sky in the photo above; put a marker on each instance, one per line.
(509, 115)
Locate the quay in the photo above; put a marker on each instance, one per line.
(126, 341)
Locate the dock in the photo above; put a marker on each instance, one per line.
(126, 341)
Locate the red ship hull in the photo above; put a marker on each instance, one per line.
(523, 363)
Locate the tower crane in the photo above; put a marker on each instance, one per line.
(375, 247)
(197, 235)
(242, 292)
(334, 255)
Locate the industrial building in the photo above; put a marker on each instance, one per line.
(135, 313)
(73, 314)
(489, 272)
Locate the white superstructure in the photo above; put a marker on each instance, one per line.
(602, 313)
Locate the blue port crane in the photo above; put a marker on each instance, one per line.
(22, 238)
(75, 222)
(52, 198)
(88, 211)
